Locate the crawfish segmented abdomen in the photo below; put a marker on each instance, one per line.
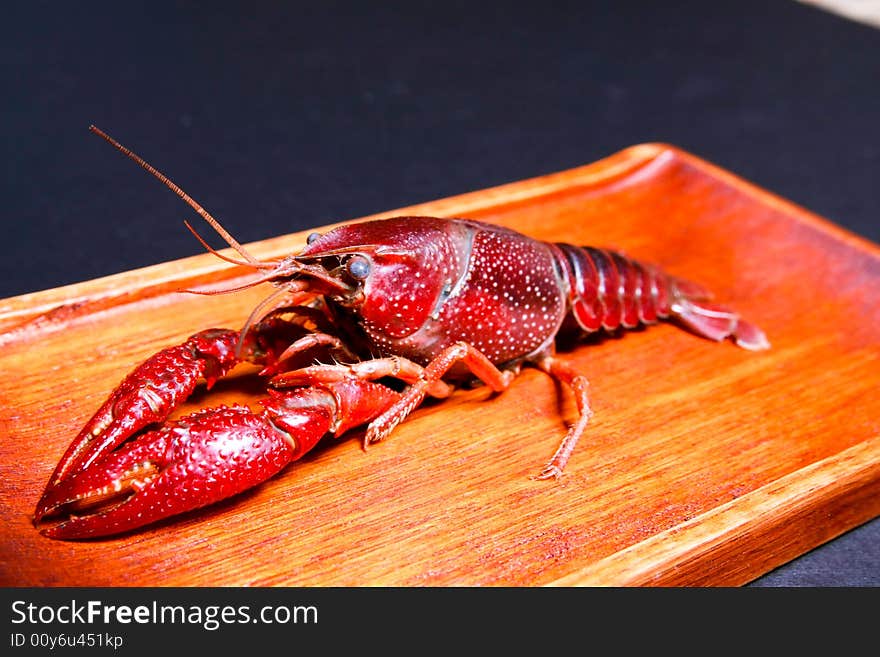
(608, 290)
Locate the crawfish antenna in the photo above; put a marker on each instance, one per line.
(229, 239)
(269, 264)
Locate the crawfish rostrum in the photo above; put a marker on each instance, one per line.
(426, 301)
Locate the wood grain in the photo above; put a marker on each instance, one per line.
(705, 464)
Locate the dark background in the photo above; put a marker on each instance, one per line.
(283, 116)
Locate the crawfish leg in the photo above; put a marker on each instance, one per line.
(579, 386)
(460, 352)
(277, 363)
(395, 367)
(428, 381)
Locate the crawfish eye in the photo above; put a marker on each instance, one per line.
(311, 238)
(358, 267)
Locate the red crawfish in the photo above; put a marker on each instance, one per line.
(428, 301)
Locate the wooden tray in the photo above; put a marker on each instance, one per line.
(705, 464)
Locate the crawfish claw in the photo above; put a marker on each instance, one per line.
(195, 461)
(203, 458)
(147, 396)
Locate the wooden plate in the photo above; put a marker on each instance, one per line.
(705, 464)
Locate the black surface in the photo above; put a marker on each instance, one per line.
(279, 118)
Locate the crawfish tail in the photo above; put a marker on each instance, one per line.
(609, 290)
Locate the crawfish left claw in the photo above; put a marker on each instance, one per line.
(147, 395)
(203, 458)
(200, 459)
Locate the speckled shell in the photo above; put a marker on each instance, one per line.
(413, 262)
(434, 282)
(507, 301)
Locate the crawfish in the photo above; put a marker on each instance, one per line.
(425, 300)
